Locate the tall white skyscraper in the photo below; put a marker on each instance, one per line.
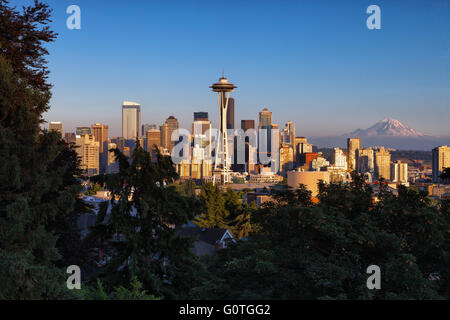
(131, 119)
(399, 172)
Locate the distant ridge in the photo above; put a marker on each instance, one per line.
(387, 128)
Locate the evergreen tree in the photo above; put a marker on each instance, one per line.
(39, 183)
(135, 291)
(242, 225)
(226, 210)
(321, 251)
(215, 214)
(144, 216)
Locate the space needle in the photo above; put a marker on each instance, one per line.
(223, 89)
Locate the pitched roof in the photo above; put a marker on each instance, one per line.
(211, 236)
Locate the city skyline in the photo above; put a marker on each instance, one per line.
(300, 67)
(312, 166)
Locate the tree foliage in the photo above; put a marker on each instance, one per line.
(134, 291)
(142, 219)
(38, 171)
(322, 251)
(227, 210)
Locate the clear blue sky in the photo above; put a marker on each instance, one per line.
(312, 62)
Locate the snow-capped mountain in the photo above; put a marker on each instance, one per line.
(388, 127)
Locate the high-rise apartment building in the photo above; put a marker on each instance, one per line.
(131, 120)
(441, 160)
(88, 151)
(353, 144)
(340, 160)
(365, 160)
(383, 164)
(56, 126)
(230, 114)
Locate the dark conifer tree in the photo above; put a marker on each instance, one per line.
(38, 175)
(142, 221)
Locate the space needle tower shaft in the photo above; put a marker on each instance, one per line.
(222, 165)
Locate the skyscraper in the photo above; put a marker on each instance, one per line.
(247, 124)
(56, 126)
(265, 119)
(249, 149)
(201, 124)
(70, 137)
(145, 128)
(131, 120)
(81, 131)
(120, 142)
(301, 145)
(173, 125)
(353, 144)
(230, 114)
(399, 172)
(153, 140)
(88, 150)
(200, 116)
(288, 134)
(383, 164)
(340, 160)
(112, 165)
(441, 160)
(265, 123)
(100, 133)
(365, 160)
(165, 136)
(286, 159)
